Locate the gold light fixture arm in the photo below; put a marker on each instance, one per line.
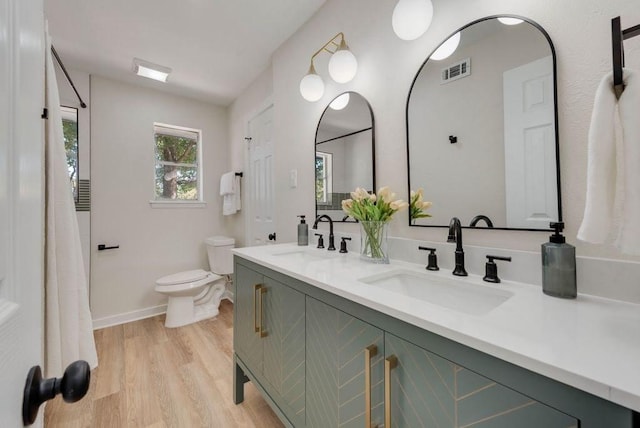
(333, 43)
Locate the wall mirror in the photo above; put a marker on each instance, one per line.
(482, 128)
(345, 159)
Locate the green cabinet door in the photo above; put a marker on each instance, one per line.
(337, 368)
(246, 340)
(427, 390)
(283, 327)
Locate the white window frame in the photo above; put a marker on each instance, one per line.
(328, 173)
(179, 203)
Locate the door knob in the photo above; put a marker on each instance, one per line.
(272, 236)
(73, 385)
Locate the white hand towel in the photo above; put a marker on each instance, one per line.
(613, 173)
(227, 181)
(238, 197)
(629, 106)
(601, 168)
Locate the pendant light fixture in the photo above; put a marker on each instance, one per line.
(506, 20)
(412, 18)
(340, 102)
(342, 68)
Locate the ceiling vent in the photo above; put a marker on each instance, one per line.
(456, 71)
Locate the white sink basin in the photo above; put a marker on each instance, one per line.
(452, 293)
(305, 254)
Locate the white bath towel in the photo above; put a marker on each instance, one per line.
(612, 210)
(230, 192)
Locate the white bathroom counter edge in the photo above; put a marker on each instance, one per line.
(590, 343)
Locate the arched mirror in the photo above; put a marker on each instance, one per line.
(345, 159)
(482, 128)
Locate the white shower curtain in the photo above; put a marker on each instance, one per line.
(68, 324)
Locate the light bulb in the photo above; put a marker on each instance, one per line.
(412, 18)
(447, 48)
(311, 86)
(343, 64)
(510, 21)
(340, 102)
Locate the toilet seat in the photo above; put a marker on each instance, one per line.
(182, 277)
(186, 280)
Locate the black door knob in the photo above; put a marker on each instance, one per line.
(73, 385)
(272, 236)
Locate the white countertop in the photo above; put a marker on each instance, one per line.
(590, 343)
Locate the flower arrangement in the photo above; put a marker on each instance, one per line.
(417, 205)
(373, 211)
(373, 207)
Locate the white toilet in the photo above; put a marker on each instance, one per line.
(195, 295)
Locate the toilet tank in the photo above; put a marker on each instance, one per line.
(219, 253)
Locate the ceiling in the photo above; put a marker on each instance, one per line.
(215, 48)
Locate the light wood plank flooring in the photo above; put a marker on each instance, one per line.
(151, 376)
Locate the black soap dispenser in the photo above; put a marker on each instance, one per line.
(303, 232)
(559, 265)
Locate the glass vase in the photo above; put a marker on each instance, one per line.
(373, 241)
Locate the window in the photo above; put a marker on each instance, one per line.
(70, 134)
(178, 165)
(323, 177)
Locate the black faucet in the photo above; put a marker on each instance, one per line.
(477, 218)
(455, 235)
(331, 246)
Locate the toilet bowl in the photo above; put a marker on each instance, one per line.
(195, 295)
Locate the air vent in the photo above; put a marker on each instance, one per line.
(456, 71)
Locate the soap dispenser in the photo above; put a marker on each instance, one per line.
(559, 265)
(303, 232)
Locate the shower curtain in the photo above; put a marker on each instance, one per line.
(68, 324)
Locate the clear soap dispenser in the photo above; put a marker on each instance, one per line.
(303, 232)
(559, 265)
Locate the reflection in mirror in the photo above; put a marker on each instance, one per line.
(481, 134)
(70, 133)
(344, 153)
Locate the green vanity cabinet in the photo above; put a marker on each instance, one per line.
(321, 360)
(269, 337)
(428, 390)
(344, 369)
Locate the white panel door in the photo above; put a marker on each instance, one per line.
(530, 146)
(261, 189)
(21, 200)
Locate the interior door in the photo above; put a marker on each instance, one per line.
(21, 200)
(261, 192)
(530, 145)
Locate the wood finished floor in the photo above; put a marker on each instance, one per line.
(151, 376)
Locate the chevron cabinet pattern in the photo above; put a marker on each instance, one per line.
(429, 391)
(336, 366)
(269, 336)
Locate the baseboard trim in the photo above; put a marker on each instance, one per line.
(128, 317)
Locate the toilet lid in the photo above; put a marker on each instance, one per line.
(182, 277)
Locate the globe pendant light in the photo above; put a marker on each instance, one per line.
(412, 18)
(447, 48)
(311, 85)
(343, 64)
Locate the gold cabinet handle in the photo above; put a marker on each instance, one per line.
(389, 364)
(256, 327)
(369, 352)
(263, 291)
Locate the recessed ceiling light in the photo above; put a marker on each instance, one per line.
(150, 70)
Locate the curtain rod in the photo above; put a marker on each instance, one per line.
(64, 70)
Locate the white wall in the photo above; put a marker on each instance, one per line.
(68, 98)
(153, 241)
